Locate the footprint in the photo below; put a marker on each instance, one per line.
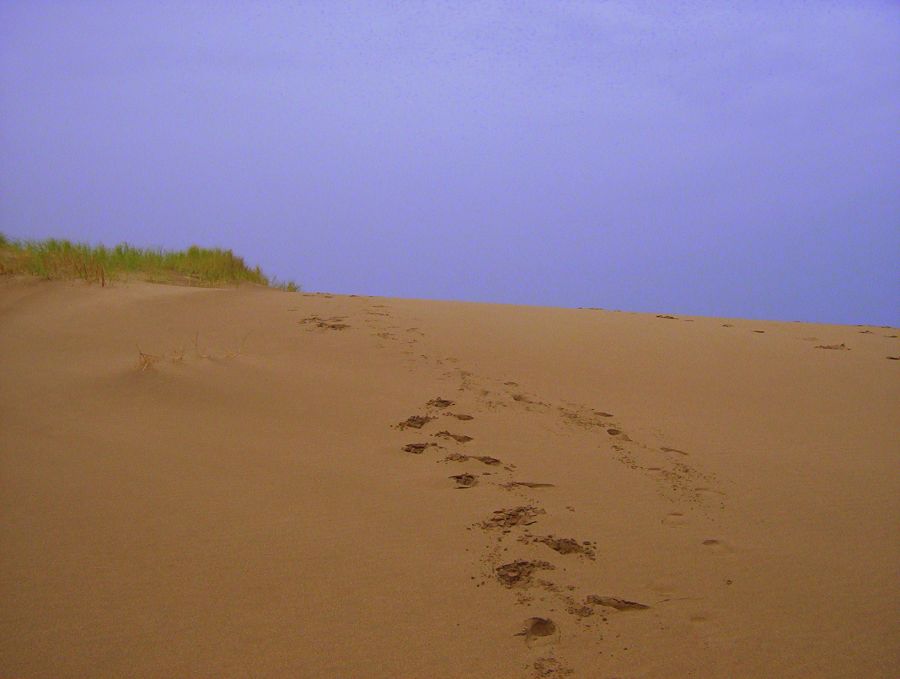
(484, 459)
(459, 438)
(539, 629)
(440, 403)
(415, 422)
(487, 459)
(518, 573)
(567, 545)
(516, 516)
(333, 323)
(618, 604)
(464, 480)
(417, 448)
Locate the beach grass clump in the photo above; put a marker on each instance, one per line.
(63, 259)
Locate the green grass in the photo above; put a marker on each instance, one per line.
(62, 259)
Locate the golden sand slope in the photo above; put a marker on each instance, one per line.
(606, 495)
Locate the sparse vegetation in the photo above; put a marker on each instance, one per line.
(287, 286)
(147, 361)
(62, 259)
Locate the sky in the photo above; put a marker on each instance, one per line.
(736, 159)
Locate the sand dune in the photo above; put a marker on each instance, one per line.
(250, 483)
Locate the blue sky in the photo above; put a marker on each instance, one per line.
(718, 158)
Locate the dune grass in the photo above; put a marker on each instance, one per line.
(62, 259)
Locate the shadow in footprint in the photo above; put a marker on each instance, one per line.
(414, 422)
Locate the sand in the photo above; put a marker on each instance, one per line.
(230, 483)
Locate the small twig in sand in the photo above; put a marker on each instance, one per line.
(146, 361)
(197, 346)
